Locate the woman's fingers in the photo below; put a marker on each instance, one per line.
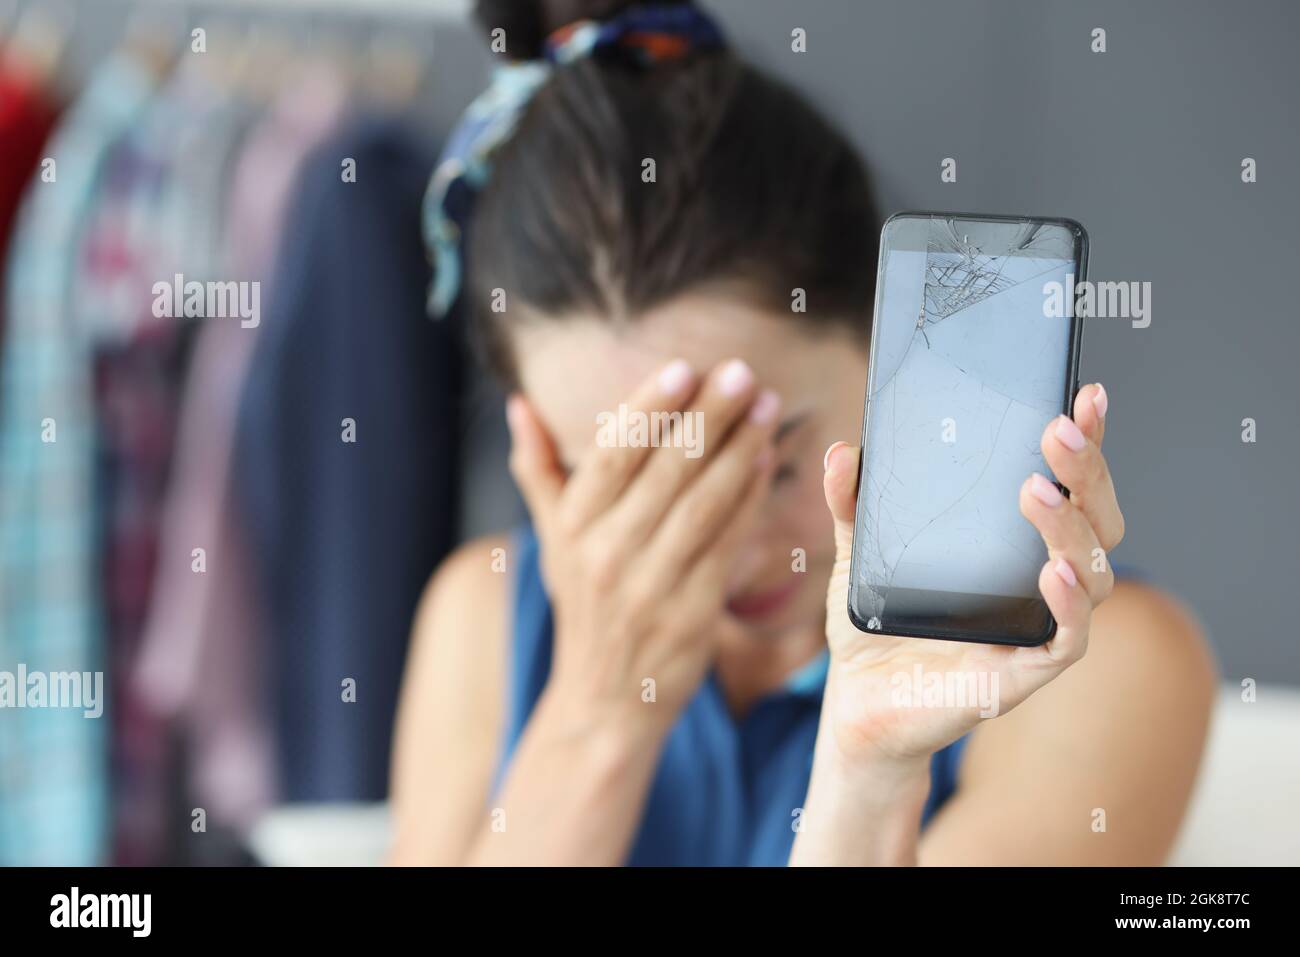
(704, 589)
(725, 411)
(609, 466)
(1073, 528)
(533, 460)
(840, 483)
(705, 507)
(1079, 465)
(1090, 406)
(1068, 535)
(1072, 609)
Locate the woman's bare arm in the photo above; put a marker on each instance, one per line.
(576, 786)
(1120, 734)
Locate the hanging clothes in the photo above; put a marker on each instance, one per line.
(347, 458)
(53, 775)
(152, 220)
(204, 645)
(27, 116)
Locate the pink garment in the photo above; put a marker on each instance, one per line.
(203, 640)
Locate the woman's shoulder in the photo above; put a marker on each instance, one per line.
(1142, 626)
(463, 618)
(1123, 729)
(483, 629)
(452, 707)
(459, 640)
(471, 586)
(1146, 653)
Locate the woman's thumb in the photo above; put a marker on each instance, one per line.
(841, 486)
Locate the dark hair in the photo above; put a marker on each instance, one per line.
(752, 188)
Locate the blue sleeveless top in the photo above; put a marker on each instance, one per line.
(725, 792)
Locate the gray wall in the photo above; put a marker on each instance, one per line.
(1143, 145)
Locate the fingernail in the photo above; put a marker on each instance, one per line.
(1100, 402)
(826, 459)
(674, 377)
(514, 412)
(1066, 573)
(1069, 434)
(1045, 491)
(735, 377)
(765, 408)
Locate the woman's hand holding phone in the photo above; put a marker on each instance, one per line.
(637, 544)
(872, 751)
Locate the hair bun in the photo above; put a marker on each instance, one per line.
(527, 23)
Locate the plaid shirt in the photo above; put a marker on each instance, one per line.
(52, 761)
(158, 214)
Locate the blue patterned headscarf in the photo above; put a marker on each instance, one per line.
(643, 35)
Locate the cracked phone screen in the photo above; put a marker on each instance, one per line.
(966, 373)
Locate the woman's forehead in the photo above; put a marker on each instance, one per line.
(703, 330)
(575, 368)
(572, 369)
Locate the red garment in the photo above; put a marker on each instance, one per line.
(27, 116)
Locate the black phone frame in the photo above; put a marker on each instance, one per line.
(1067, 408)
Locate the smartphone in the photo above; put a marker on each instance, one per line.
(973, 352)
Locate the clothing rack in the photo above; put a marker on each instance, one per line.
(423, 9)
(168, 163)
(66, 13)
(79, 33)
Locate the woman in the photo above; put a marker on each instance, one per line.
(665, 673)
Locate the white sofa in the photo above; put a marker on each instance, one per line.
(1246, 809)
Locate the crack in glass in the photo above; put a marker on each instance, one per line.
(958, 275)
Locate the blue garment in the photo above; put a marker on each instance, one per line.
(726, 792)
(346, 533)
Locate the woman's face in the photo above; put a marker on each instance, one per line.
(575, 369)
